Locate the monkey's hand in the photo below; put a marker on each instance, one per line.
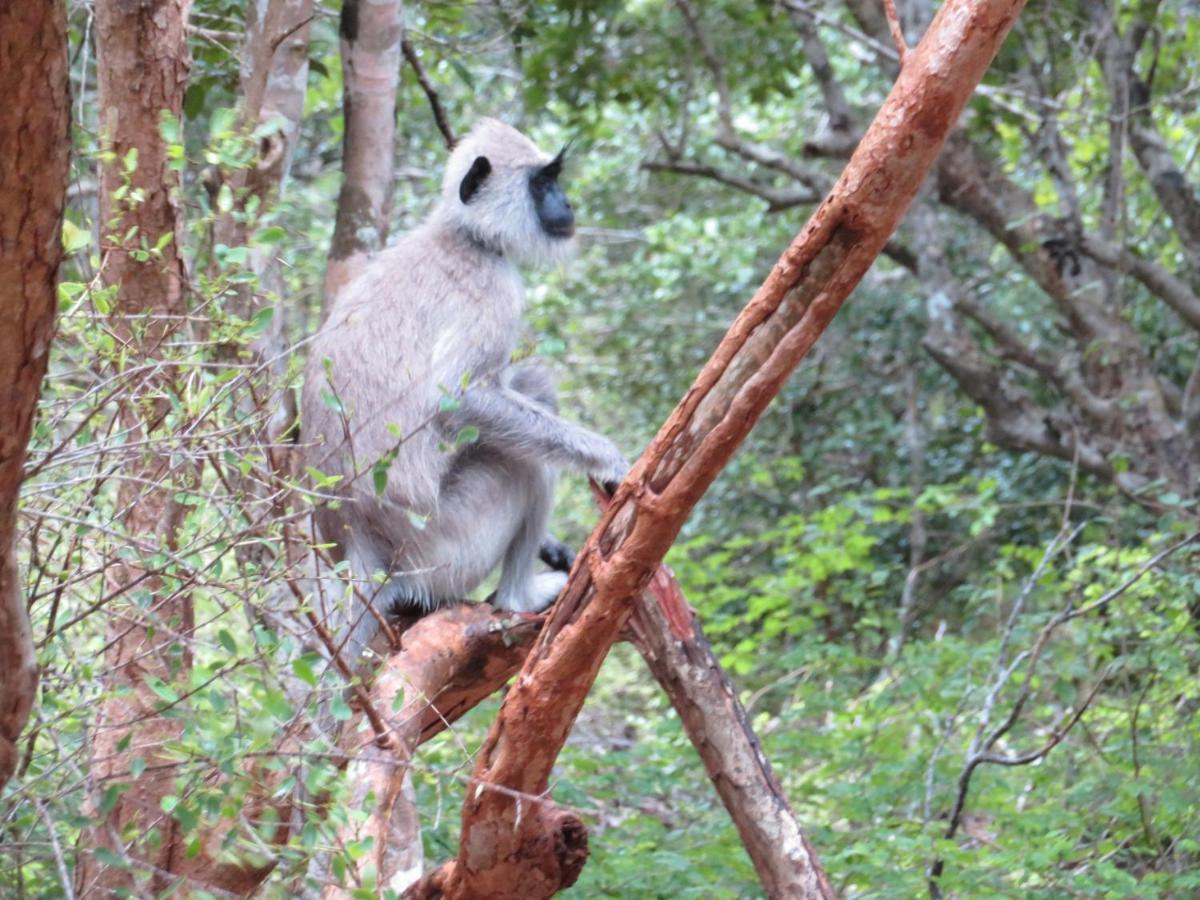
(613, 466)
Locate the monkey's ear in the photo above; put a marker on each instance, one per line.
(473, 180)
(553, 168)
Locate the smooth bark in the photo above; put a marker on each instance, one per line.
(371, 33)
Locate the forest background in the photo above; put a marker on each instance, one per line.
(951, 572)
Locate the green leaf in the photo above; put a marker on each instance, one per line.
(225, 198)
(304, 671)
(331, 401)
(339, 709)
(272, 234)
(221, 123)
(109, 858)
(168, 127)
(162, 689)
(112, 793)
(74, 238)
(69, 290)
(461, 71)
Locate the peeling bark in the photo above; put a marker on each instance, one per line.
(511, 831)
(447, 663)
(35, 145)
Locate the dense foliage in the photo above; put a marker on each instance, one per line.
(889, 584)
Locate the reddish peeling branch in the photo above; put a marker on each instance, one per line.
(512, 846)
(447, 663)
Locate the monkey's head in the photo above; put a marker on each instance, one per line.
(504, 192)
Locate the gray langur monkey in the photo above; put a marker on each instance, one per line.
(417, 351)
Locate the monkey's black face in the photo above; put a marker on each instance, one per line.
(553, 208)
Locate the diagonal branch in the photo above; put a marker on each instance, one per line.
(717, 724)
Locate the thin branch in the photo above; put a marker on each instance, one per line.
(275, 44)
(893, 21)
(431, 94)
(776, 201)
(1132, 580)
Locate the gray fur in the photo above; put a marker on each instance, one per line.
(439, 309)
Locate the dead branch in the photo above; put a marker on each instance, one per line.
(981, 750)
(893, 21)
(431, 94)
(510, 848)
(719, 729)
(777, 201)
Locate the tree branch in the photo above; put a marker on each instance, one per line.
(719, 729)
(431, 94)
(776, 201)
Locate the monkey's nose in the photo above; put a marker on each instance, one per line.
(557, 217)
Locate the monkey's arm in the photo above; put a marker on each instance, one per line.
(515, 424)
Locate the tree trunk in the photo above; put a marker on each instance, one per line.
(142, 66)
(286, 81)
(515, 842)
(35, 145)
(371, 33)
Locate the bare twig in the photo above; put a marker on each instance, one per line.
(431, 94)
(893, 21)
(776, 201)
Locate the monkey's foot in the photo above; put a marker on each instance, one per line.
(556, 555)
(546, 588)
(541, 591)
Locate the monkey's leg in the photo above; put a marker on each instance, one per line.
(483, 509)
(521, 589)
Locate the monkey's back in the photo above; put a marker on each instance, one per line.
(427, 314)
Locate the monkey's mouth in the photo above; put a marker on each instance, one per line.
(562, 232)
